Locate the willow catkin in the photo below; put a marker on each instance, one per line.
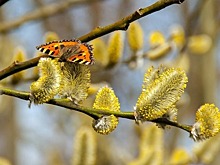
(48, 85)
(106, 100)
(75, 81)
(115, 48)
(135, 36)
(207, 122)
(160, 94)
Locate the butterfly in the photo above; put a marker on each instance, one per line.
(69, 50)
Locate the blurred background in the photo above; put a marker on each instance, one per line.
(46, 134)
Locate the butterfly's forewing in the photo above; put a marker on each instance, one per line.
(69, 50)
(51, 48)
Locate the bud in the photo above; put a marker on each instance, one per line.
(159, 51)
(4, 161)
(156, 39)
(99, 51)
(115, 48)
(19, 56)
(135, 36)
(207, 151)
(151, 147)
(179, 156)
(199, 44)
(178, 36)
(51, 36)
(85, 147)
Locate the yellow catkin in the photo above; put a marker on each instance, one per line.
(179, 156)
(115, 48)
(35, 72)
(151, 147)
(48, 85)
(106, 100)
(51, 36)
(160, 94)
(207, 122)
(206, 152)
(182, 62)
(135, 36)
(99, 51)
(177, 36)
(94, 88)
(54, 157)
(159, 51)
(75, 81)
(150, 76)
(156, 39)
(19, 56)
(4, 161)
(199, 44)
(85, 147)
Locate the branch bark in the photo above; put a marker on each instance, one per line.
(94, 113)
(19, 66)
(2, 2)
(43, 12)
(123, 24)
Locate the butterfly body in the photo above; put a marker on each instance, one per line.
(69, 50)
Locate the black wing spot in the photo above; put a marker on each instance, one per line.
(47, 51)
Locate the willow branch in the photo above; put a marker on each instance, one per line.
(2, 2)
(19, 66)
(123, 24)
(94, 113)
(43, 12)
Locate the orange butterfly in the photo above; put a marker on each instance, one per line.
(69, 50)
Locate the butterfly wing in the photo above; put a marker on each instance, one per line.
(51, 48)
(69, 50)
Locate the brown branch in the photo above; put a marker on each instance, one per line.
(19, 66)
(94, 113)
(43, 12)
(2, 2)
(123, 24)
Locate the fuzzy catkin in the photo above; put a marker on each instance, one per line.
(19, 56)
(160, 93)
(207, 122)
(115, 48)
(48, 85)
(75, 81)
(106, 100)
(85, 147)
(135, 36)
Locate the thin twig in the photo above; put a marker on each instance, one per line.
(43, 12)
(94, 113)
(123, 24)
(19, 66)
(2, 2)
